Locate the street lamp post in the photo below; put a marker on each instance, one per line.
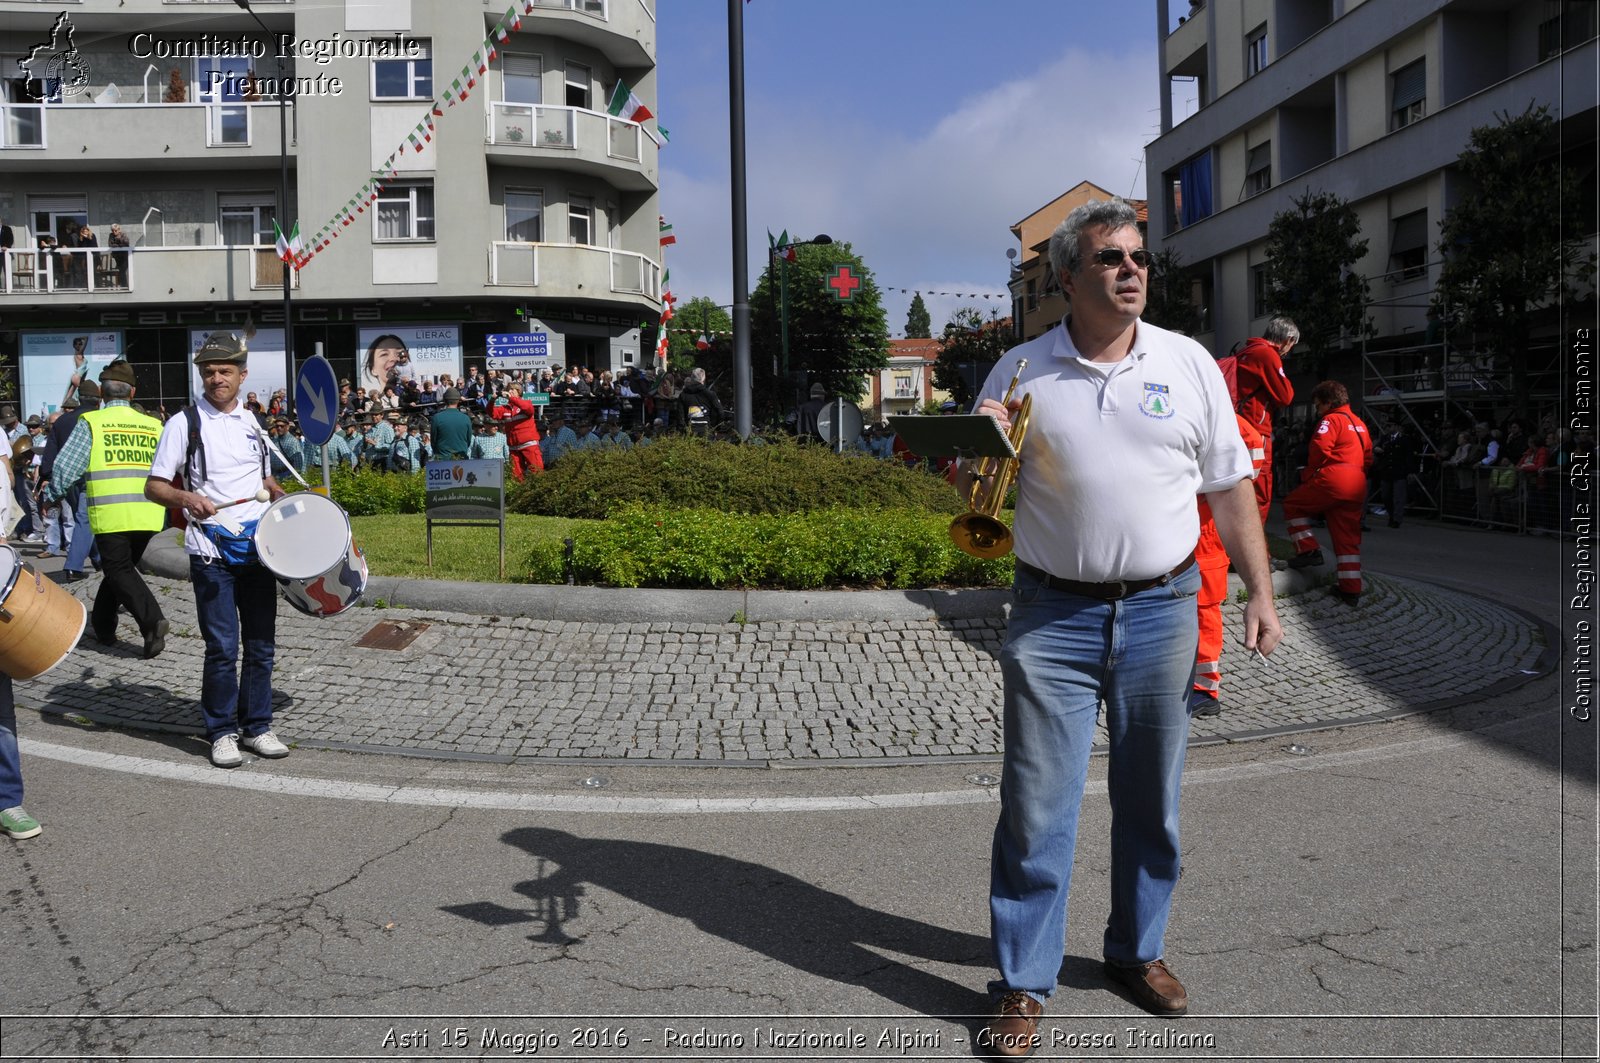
(283, 183)
(781, 253)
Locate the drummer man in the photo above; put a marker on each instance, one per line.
(236, 602)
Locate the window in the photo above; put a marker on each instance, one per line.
(245, 220)
(1255, 51)
(1575, 24)
(1190, 192)
(404, 78)
(522, 76)
(1258, 170)
(1408, 246)
(1259, 284)
(222, 82)
(1410, 94)
(404, 211)
(902, 386)
(525, 216)
(1033, 294)
(577, 86)
(580, 220)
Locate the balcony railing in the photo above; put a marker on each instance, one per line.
(597, 8)
(573, 268)
(542, 126)
(150, 271)
(225, 125)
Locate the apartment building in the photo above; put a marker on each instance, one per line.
(905, 385)
(507, 198)
(1372, 100)
(1037, 302)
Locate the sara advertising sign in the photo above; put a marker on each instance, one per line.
(465, 489)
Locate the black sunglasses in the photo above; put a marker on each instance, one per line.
(1112, 256)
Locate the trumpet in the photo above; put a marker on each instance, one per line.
(980, 531)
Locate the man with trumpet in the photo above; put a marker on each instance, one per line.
(1128, 423)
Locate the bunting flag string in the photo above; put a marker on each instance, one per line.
(422, 134)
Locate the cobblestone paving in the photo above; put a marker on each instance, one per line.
(758, 692)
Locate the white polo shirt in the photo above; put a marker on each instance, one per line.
(233, 447)
(1116, 452)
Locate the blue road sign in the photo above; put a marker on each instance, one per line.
(316, 400)
(518, 350)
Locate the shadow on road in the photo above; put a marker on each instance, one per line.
(755, 907)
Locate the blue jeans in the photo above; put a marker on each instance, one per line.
(10, 759)
(235, 603)
(82, 544)
(1063, 655)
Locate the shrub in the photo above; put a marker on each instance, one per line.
(368, 492)
(660, 546)
(684, 472)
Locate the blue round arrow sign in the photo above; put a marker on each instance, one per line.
(316, 400)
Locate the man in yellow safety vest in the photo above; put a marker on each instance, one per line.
(110, 450)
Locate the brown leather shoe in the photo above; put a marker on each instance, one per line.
(1014, 1030)
(1154, 988)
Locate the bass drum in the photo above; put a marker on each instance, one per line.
(304, 540)
(40, 622)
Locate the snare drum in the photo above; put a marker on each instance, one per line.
(304, 540)
(40, 622)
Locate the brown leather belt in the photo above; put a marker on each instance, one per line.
(1116, 590)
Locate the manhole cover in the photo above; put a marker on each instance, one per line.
(391, 635)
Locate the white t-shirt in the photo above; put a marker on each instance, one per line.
(1116, 452)
(233, 446)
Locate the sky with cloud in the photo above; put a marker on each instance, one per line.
(919, 131)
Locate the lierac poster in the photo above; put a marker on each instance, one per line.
(50, 358)
(394, 353)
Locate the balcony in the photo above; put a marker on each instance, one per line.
(623, 30)
(574, 271)
(150, 274)
(574, 140)
(53, 136)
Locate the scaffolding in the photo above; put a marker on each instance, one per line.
(1440, 383)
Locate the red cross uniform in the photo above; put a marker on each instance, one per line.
(1334, 486)
(1212, 557)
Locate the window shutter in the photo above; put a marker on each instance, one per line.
(1410, 84)
(1260, 158)
(1410, 232)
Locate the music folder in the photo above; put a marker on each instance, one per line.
(973, 435)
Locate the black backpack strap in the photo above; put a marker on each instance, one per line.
(196, 449)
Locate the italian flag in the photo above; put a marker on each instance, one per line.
(289, 249)
(627, 106)
(666, 233)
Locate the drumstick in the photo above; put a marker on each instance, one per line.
(259, 496)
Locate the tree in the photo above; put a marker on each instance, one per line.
(1509, 247)
(692, 320)
(1312, 250)
(1169, 303)
(919, 325)
(832, 342)
(968, 349)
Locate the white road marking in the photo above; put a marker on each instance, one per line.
(444, 797)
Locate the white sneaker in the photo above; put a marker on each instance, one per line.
(265, 744)
(225, 752)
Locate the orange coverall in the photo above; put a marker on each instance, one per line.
(1264, 389)
(522, 437)
(1334, 485)
(1212, 557)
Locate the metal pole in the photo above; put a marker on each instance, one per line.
(783, 315)
(742, 396)
(283, 197)
(327, 479)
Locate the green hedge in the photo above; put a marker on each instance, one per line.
(366, 492)
(658, 546)
(685, 472)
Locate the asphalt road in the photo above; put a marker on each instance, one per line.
(1415, 888)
